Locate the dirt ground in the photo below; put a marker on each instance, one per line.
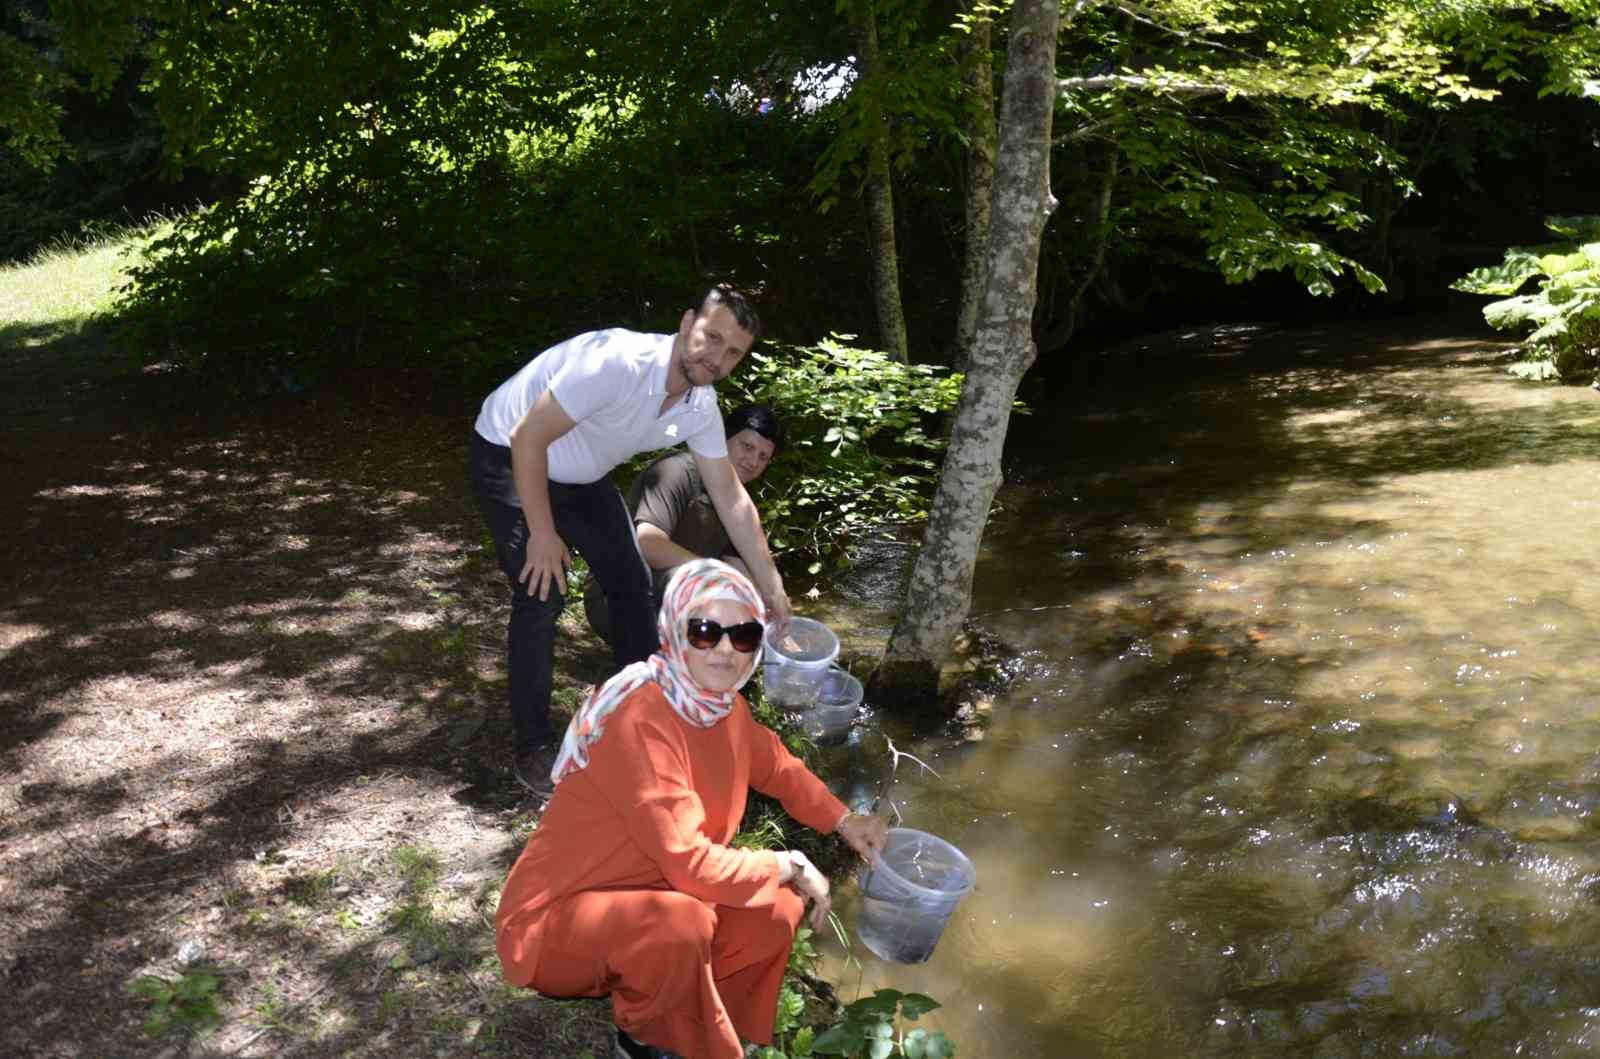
(254, 786)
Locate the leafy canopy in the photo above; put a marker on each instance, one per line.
(1252, 125)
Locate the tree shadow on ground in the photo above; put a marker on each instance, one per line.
(223, 624)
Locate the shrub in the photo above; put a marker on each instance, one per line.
(1565, 309)
(858, 452)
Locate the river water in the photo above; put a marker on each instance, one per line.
(1301, 753)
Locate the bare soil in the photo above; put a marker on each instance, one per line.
(254, 786)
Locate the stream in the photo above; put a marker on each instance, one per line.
(1300, 749)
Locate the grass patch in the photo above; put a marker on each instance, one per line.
(69, 284)
(419, 869)
(313, 889)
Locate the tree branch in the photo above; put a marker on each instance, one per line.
(1151, 19)
(1106, 82)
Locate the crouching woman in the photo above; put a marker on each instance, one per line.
(629, 886)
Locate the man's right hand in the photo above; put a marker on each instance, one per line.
(779, 610)
(547, 563)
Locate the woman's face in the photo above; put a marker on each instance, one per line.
(720, 668)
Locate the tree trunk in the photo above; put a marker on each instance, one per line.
(880, 193)
(940, 592)
(977, 78)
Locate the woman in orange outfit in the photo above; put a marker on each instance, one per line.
(629, 886)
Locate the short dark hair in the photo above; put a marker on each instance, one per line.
(758, 417)
(738, 305)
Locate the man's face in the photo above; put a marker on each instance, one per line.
(713, 345)
(750, 453)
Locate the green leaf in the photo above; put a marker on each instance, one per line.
(881, 1003)
(915, 1005)
(1554, 265)
(1582, 228)
(1534, 370)
(841, 1039)
(1519, 266)
(152, 988)
(1514, 312)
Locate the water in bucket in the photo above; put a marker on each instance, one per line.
(796, 661)
(909, 893)
(838, 698)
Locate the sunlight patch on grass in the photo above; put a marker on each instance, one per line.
(67, 286)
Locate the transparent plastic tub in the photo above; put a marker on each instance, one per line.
(909, 893)
(838, 701)
(796, 660)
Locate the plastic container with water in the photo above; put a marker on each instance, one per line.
(796, 662)
(838, 700)
(909, 893)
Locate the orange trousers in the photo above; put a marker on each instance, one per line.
(683, 975)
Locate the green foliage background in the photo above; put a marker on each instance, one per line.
(440, 182)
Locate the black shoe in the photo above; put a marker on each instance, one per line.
(532, 769)
(628, 1048)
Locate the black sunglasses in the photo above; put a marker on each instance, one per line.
(706, 634)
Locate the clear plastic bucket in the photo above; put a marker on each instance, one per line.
(908, 894)
(796, 661)
(838, 700)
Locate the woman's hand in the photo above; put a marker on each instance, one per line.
(863, 833)
(810, 884)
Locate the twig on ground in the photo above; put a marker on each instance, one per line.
(85, 854)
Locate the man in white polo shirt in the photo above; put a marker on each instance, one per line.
(541, 448)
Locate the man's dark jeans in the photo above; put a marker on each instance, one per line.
(593, 522)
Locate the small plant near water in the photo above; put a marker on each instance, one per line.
(874, 1027)
(186, 1004)
(811, 1022)
(1564, 311)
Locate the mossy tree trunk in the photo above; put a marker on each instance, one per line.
(940, 592)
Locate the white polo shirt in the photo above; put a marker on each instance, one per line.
(611, 384)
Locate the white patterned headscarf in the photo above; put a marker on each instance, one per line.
(694, 584)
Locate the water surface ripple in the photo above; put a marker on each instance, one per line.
(1303, 751)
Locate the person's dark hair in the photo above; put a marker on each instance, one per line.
(737, 304)
(757, 417)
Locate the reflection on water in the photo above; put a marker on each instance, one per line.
(1303, 753)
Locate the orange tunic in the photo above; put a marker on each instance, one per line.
(654, 810)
